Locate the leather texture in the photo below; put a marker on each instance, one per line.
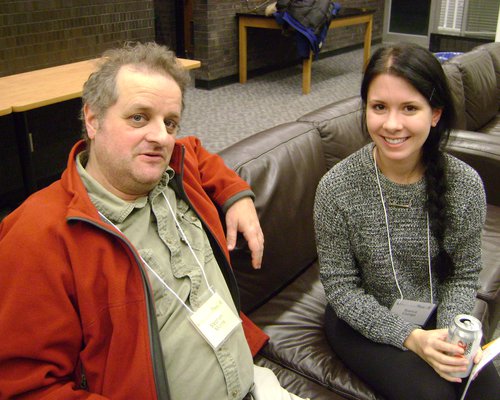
(283, 166)
(494, 50)
(480, 87)
(481, 152)
(457, 91)
(339, 125)
(298, 340)
(299, 384)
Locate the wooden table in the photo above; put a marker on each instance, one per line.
(26, 91)
(34, 89)
(4, 108)
(347, 17)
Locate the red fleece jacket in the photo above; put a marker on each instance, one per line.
(74, 295)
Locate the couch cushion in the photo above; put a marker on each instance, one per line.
(492, 127)
(494, 50)
(339, 125)
(294, 320)
(480, 87)
(481, 152)
(482, 313)
(298, 384)
(490, 276)
(457, 92)
(283, 165)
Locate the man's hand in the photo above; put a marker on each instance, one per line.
(242, 217)
(433, 348)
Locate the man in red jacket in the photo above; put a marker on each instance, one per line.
(116, 280)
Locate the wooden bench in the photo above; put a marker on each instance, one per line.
(26, 91)
(347, 17)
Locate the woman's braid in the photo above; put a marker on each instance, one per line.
(436, 183)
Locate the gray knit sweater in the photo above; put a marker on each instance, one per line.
(353, 247)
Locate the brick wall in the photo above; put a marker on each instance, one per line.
(216, 38)
(43, 33)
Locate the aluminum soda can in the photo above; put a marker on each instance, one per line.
(465, 331)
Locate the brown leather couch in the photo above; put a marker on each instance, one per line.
(475, 82)
(284, 165)
(474, 78)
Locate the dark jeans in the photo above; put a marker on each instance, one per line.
(398, 374)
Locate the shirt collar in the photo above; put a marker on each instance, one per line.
(110, 205)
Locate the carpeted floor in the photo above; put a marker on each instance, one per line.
(225, 115)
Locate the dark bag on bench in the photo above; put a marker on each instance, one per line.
(312, 14)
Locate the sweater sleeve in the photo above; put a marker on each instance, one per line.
(341, 276)
(463, 242)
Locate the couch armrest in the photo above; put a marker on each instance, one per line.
(283, 165)
(339, 125)
(482, 152)
(489, 278)
(480, 87)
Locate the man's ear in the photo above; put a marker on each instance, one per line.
(91, 121)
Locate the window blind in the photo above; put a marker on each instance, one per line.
(482, 16)
(469, 17)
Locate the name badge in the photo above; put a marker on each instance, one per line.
(215, 321)
(415, 312)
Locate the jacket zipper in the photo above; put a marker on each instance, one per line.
(158, 366)
(83, 379)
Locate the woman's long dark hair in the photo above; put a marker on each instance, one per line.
(422, 70)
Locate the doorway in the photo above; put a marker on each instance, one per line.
(183, 22)
(188, 29)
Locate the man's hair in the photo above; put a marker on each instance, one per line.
(99, 92)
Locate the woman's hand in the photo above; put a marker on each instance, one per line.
(433, 348)
(477, 358)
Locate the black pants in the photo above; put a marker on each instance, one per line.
(398, 374)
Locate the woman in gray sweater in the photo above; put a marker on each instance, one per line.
(398, 228)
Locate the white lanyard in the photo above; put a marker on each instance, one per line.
(389, 236)
(190, 248)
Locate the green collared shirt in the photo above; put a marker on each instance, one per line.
(194, 369)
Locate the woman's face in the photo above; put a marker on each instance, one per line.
(399, 119)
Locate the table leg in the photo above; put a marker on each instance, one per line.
(368, 42)
(306, 74)
(25, 150)
(243, 51)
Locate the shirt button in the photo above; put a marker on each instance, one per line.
(234, 393)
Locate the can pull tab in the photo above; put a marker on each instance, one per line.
(467, 322)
